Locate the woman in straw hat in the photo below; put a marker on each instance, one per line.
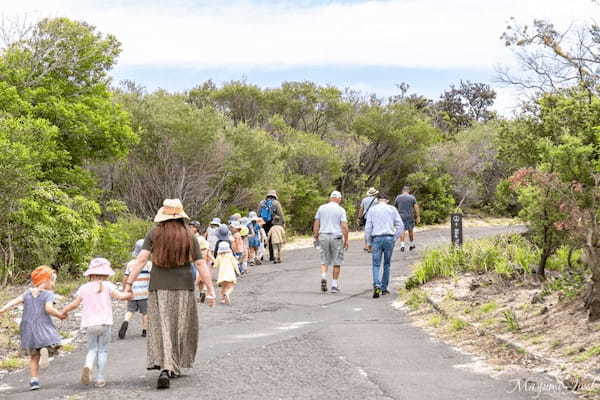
(173, 317)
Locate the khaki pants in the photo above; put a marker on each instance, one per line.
(278, 249)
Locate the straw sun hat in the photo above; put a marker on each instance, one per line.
(171, 209)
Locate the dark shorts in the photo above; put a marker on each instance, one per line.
(408, 221)
(254, 243)
(140, 306)
(52, 351)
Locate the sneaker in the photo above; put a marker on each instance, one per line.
(163, 380)
(412, 247)
(86, 375)
(44, 358)
(144, 333)
(376, 293)
(123, 329)
(323, 285)
(100, 384)
(334, 289)
(384, 292)
(202, 297)
(34, 385)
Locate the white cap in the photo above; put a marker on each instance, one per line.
(335, 195)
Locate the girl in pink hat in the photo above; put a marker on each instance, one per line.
(96, 316)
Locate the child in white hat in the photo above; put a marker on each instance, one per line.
(96, 316)
(228, 271)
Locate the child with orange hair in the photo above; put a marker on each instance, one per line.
(39, 336)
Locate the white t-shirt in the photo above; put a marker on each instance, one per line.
(368, 203)
(331, 216)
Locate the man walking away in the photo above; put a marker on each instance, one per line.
(409, 211)
(267, 210)
(365, 206)
(384, 226)
(331, 230)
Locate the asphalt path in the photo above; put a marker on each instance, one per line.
(284, 339)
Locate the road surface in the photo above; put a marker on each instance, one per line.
(283, 339)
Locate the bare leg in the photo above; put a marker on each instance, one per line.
(411, 235)
(336, 272)
(145, 321)
(34, 366)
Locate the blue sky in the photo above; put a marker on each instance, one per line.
(370, 45)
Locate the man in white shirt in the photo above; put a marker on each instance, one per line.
(384, 226)
(331, 231)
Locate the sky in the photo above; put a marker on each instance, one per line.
(369, 45)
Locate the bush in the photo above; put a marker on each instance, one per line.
(118, 239)
(434, 194)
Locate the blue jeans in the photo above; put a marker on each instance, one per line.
(382, 245)
(97, 349)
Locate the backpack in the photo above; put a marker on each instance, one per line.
(266, 210)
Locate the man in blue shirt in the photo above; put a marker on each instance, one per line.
(384, 226)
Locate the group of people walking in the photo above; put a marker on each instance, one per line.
(175, 258)
(384, 225)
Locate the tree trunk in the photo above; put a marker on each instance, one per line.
(592, 295)
(541, 269)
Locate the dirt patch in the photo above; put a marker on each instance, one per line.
(513, 325)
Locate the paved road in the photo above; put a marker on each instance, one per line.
(283, 339)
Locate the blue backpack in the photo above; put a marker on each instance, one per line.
(266, 210)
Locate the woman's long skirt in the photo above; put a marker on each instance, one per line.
(172, 330)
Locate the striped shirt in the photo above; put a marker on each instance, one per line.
(142, 283)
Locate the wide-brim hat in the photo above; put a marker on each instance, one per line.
(235, 225)
(216, 221)
(223, 232)
(223, 248)
(372, 192)
(171, 209)
(99, 266)
(272, 193)
(252, 216)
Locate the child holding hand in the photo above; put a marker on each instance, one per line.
(39, 336)
(96, 316)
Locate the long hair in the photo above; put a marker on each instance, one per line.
(172, 244)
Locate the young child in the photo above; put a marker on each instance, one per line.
(227, 265)
(223, 235)
(237, 244)
(211, 233)
(245, 232)
(260, 254)
(139, 303)
(208, 257)
(277, 237)
(39, 336)
(96, 316)
(254, 239)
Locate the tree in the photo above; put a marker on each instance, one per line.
(553, 59)
(460, 107)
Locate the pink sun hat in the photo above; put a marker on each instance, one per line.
(99, 266)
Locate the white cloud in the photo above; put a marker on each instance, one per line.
(401, 33)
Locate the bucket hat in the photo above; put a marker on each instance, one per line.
(223, 248)
(216, 221)
(223, 232)
(99, 266)
(138, 247)
(372, 192)
(272, 193)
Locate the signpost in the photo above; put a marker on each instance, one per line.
(456, 229)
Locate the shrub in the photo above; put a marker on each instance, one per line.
(434, 194)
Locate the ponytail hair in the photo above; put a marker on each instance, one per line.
(98, 278)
